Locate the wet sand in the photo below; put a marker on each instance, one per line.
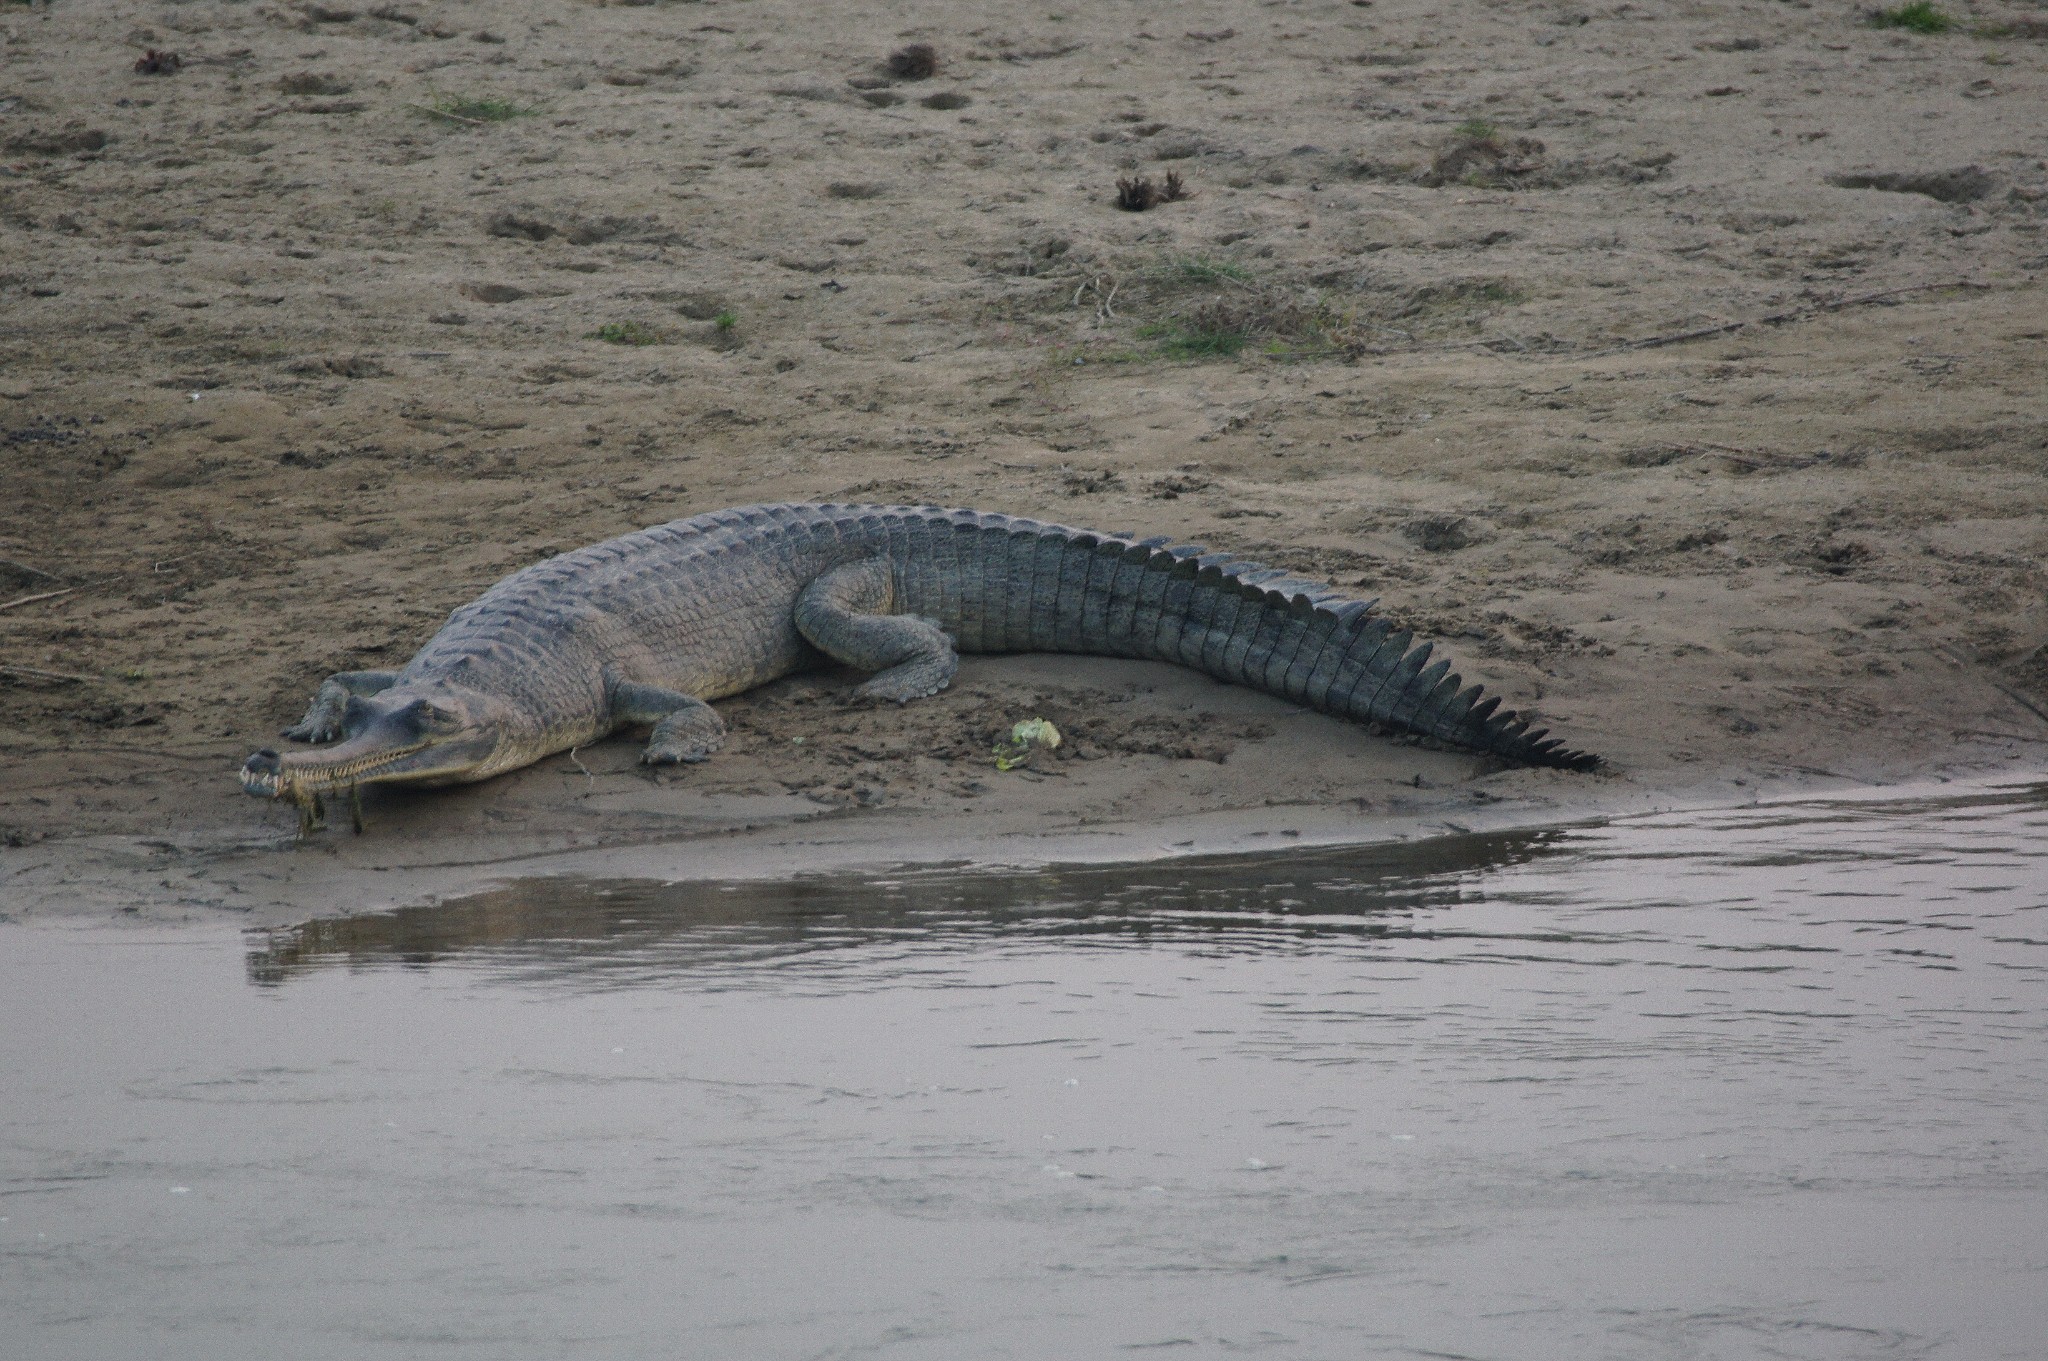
(292, 364)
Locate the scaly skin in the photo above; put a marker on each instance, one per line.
(643, 629)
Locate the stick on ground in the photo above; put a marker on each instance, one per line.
(1776, 318)
(37, 673)
(32, 599)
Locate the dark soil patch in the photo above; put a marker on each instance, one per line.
(1964, 184)
(69, 142)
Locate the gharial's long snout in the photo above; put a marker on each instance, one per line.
(439, 738)
(363, 759)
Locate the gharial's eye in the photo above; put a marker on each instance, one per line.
(431, 715)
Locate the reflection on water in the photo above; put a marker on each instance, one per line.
(619, 928)
(1762, 1083)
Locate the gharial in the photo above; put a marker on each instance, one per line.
(644, 629)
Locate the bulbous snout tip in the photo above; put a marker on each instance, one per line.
(263, 774)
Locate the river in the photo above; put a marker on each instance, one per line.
(1767, 1082)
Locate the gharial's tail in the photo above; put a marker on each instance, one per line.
(1256, 626)
(1004, 584)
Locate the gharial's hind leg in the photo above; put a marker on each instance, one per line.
(843, 615)
(323, 720)
(686, 729)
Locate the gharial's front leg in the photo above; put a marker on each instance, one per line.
(324, 718)
(686, 729)
(842, 615)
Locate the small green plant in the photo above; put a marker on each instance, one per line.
(135, 673)
(2035, 29)
(1200, 337)
(1196, 269)
(626, 333)
(478, 108)
(725, 321)
(1477, 130)
(1920, 16)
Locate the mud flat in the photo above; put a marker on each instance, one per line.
(1679, 372)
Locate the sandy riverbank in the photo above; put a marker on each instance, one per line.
(290, 366)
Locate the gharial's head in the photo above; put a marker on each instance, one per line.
(428, 734)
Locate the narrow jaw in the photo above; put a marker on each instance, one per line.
(430, 734)
(267, 775)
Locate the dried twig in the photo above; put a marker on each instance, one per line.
(1105, 309)
(2021, 700)
(37, 673)
(1776, 318)
(32, 599)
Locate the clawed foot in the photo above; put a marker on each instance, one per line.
(686, 736)
(680, 750)
(312, 730)
(327, 717)
(322, 723)
(902, 685)
(926, 673)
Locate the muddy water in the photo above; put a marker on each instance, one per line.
(1759, 1083)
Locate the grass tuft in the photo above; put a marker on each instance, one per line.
(1919, 16)
(726, 320)
(1209, 332)
(479, 108)
(1205, 271)
(1199, 269)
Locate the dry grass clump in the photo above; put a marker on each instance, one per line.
(1196, 308)
(1216, 308)
(311, 83)
(1480, 156)
(1138, 194)
(915, 62)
